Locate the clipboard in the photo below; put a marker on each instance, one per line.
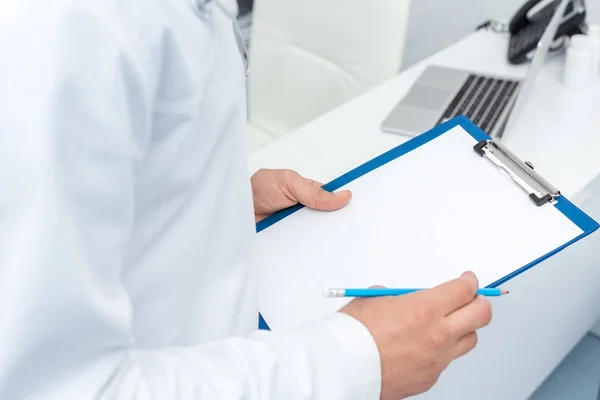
(462, 198)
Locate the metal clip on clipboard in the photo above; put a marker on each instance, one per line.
(540, 191)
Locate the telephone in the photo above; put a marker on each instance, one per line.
(529, 23)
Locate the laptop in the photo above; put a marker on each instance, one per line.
(492, 102)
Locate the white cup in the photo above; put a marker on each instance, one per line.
(594, 33)
(580, 62)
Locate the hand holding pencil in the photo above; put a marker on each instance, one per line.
(420, 333)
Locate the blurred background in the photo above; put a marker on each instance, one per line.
(368, 42)
(429, 27)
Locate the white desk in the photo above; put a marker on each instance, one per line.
(559, 133)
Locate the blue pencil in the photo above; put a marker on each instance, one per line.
(375, 292)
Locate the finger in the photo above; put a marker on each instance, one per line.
(313, 195)
(454, 294)
(465, 344)
(475, 315)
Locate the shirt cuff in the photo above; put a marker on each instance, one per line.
(361, 351)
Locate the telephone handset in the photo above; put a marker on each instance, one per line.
(529, 23)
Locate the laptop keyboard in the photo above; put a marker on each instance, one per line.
(482, 100)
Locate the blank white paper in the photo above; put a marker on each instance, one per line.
(417, 221)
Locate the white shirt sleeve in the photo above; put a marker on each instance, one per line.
(73, 121)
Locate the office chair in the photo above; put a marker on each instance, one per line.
(307, 57)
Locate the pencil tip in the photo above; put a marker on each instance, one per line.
(334, 293)
(505, 292)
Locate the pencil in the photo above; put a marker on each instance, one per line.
(376, 292)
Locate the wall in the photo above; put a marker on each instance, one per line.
(593, 11)
(428, 33)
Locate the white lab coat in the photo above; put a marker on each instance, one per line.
(126, 217)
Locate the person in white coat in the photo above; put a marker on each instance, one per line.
(127, 212)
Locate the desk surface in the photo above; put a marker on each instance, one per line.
(556, 128)
(559, 132)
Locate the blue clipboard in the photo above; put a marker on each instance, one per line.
(541, 191)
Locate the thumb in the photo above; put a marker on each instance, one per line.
(312, 195)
